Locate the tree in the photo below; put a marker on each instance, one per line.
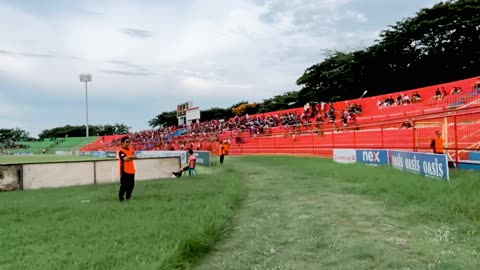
(245, 109)
(13, 135)
(280, 102)
(80, 131)
(439, 44)
(214, 113)
(165, 118)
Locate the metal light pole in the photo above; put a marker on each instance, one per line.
(364, 93)
(86, 78)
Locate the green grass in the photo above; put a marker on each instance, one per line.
(167, 224)
(297, 213)
(308, 213)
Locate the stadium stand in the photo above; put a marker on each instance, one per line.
(71, 144)
(35, 147)
(311, 131)
(50, 146)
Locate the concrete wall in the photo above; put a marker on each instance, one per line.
(52, 175)
(10, 177)
(152, 168)
(49, 175)
(107, 171)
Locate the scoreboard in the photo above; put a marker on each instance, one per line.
(182, 109)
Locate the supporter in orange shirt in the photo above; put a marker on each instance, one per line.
(191, 164)
(226, 146)
(221, 152)
(437, 143)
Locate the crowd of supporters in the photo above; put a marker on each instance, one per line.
(199, 135)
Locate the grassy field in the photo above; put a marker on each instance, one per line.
(167, 224)
(296, 213)
(306, 213)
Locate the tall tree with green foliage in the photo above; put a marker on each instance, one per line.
(80, 131)
(13, 135)
(439, 44)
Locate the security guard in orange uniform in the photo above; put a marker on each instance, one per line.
(127, 169)
(221, 152)
(437, 144)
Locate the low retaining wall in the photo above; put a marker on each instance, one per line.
(64, 174)
(10, 176)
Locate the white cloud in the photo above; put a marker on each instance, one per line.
(351, 14)
(172, 50)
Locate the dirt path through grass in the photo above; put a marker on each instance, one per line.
(301, 219)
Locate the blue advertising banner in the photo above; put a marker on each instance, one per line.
(372, 157)
(99, 154)
(430, 165)
(156, 154)
(473, 162)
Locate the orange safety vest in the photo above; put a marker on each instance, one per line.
(226, 148)
(126, 166)
(221, 150)
(438, 145)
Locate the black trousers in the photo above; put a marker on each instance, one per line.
(221, 158)
(127, 183)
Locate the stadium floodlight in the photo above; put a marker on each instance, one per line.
(364, 93)
(86, 78)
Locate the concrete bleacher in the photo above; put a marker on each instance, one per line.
(281, 141)
(71, 144)
(35, 147)
(103, 143)
(468, 132)
(372, 113)
(469, 96)
(51, 146)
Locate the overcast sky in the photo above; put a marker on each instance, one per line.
(147, 56)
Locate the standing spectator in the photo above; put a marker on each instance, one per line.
(221, 152)
(437, 143)
(127, 169)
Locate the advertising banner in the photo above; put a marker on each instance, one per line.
(372, 157)
(203, 157)
(101, 154)
(344, 156)
(64, 153)
(155, 154)
(430, 165)
(473, 162)
(111, 154)
(23, 154)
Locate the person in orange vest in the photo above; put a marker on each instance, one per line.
(221, 152)
(127, 169)
(226, 146)
(437, 143)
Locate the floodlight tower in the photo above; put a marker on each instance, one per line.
(86, 78)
